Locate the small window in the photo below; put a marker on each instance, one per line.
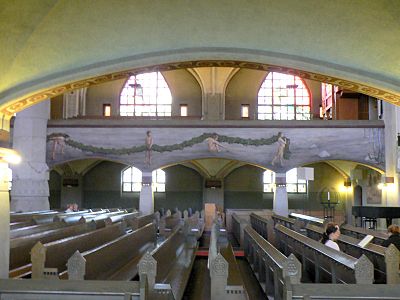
(158, 180)
(245, 110)
(293, 184)
(184, 110)
(106, 110)
(269, 179)
(131, 180)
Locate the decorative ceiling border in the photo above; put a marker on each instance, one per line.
(9, 109)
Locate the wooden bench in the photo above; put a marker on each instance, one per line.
(175, 258)
(168, 223)
(115, 260)
(269, 264)
(28, 216)
(291, 223)
(17, 225)
(360, 233)
(323, 291)
(226, 280)
(140, 221)
(56, 254)
(11, 289)
(21, 246)
(322, 262)
(307, 220)
(385, 260)
(33, 229)
(239, 224)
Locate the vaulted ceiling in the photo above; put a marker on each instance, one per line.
(52, 43)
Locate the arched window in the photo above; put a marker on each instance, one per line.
(146, 95)
(293, 184)
(131, 180)
(283, 97)
(158, 180)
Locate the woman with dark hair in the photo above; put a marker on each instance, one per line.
(394, 231)
(331, 234)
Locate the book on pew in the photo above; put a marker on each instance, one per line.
(365, 241)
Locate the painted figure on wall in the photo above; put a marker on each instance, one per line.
(213, 144)
(149, 144)
(280, 150)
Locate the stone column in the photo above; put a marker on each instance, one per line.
(4, 220)
(146, 198)
(280, 204)
(4, 199)
(391, 115)
(30, 190)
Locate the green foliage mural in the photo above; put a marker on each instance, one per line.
(168, 148)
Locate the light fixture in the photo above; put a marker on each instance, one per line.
(385, 182)
(347, 183)
(9, 156)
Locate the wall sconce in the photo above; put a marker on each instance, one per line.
(347, 183)
(9, 156)
(385, 181)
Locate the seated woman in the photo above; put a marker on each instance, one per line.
(394, 238)
(331, 234)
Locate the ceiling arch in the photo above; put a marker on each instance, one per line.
(56, 45)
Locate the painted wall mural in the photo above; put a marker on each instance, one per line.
(278, 149)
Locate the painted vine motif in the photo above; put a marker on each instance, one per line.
(168, 148)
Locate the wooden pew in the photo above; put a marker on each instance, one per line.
(239, 224)
(174, 259)
(168, 223)
(56, 254)
(115, 260)
(224, 272)
(28, 216)
(269, 264)
(20, 247)
(29, 230)
(385, 260)
(324, 263)
(360, 233)
(331, 291)
(305, 220)
(140, 221)
(17, 225)
(11, 289)
(111, 219)
(291, 223)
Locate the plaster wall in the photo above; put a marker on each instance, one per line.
(97, 41)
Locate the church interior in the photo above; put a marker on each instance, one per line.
(199, 150)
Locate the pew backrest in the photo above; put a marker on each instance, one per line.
(58, 252)
(103, 261)
(342, 268)
(360, 233)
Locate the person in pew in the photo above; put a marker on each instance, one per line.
(331, 234)
(69, 208)
(394, 238)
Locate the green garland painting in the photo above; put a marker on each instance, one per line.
(168, 148)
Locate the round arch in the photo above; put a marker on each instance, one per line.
(24, 96)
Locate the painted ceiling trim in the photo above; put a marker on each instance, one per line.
(13, 106)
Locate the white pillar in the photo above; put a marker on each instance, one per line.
(146, 198)
(30, 190)
(390, 194)
(4, 220)
(281, 203)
